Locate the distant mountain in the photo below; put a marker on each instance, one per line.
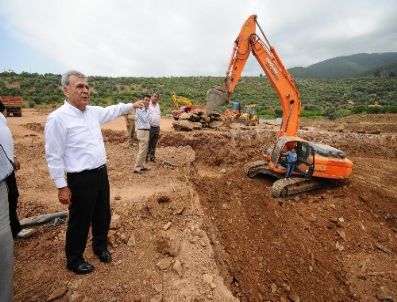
(377, 64)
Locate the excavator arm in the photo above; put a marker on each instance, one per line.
(249, 42)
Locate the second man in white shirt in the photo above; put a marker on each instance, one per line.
(155, 118)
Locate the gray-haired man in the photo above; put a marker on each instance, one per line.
(74, 145)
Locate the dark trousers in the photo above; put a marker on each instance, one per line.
(13, 195)
(90, 205)
(154, 137)
(290, 169)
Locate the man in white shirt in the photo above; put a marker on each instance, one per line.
(13, 193)
(154, 118)
(74, 145)
(6, 242)
(142, 133)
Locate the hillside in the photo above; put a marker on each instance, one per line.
(376, 64)
(319, 96)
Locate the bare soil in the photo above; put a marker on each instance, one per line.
(195, 228)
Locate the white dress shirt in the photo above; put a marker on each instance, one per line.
(154, 115)
(73, 138)
(6, 137)
(7, 144)
(142, 121)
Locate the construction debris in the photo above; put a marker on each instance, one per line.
(196, 120)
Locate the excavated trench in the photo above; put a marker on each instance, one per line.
(269, 249)
(265, 249)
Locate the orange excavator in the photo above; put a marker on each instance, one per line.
(316, 163)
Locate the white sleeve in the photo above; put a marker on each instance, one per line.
(55, 142)
(109, 113)
(5, 166)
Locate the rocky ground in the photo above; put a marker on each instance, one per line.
(195, 228)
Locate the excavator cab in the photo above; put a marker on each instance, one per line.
(305, 163)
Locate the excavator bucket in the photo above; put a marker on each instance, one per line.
(216, 97)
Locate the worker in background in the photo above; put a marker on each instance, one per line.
(155, 118)
(6, 242)
(74, 145)
(291, 160)
(13, 193)
(130, 122)
(142, 120)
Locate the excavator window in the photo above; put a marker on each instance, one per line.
(302, 151)
(276, 151)
(305, 160)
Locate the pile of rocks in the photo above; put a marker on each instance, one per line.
(197, 119)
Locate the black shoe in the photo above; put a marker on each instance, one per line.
(83, 268)
(140, 171)
(104, 256)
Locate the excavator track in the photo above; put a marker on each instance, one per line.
(253, 168)
(291, 186)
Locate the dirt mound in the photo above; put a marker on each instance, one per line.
(360, 123)
(113, 136)
(37, 127)
(220, 148)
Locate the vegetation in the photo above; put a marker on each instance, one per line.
(332, 98)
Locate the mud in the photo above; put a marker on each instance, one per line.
(195, 228)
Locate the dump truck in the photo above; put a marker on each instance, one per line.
(13, 105)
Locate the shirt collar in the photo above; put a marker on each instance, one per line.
(75, 110)
(154, 106)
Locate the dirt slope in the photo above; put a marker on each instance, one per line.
(194, 228)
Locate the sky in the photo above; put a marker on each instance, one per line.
(151, 38)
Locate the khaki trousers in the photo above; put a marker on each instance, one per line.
(143, 139)
(131, 134)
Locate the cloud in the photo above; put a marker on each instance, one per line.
(183, 38)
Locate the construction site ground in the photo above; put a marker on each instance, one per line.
(195, 228)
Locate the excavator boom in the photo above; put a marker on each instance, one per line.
(248, 42)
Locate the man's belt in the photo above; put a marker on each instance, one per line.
(88, 171)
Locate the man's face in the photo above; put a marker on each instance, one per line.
(154, 98)
(146, 101)
(77, 92)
